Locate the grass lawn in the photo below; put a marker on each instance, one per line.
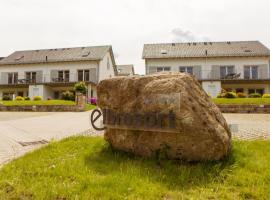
(89, 107)
(31, 102)
(251, 101)
(87, 168)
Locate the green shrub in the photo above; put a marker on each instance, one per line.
(27, 98)
(230, 95)
(6, 98)
(241, 95)
(37, 98)
(80, 87)
(67, 95)
(266, 96)
(19, 98)
(255, 95)
(220, 95)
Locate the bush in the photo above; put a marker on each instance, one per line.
(27, 98)
(255, 95)
(266, 96)
(230, 95)
(68, 96)
(6, 98)
(80, 87)
(19, 98)
(37, 98)
(241, 95)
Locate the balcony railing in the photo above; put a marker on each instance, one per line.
(48, 78)
(216, 75)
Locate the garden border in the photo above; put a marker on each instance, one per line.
(236, 108)
(42, 108)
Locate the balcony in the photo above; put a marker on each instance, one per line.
(48, 79)
(213, 75)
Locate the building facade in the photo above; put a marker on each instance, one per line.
(233, 66)
(125, 70)
(48, 73)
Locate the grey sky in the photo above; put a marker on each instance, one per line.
(128, 24)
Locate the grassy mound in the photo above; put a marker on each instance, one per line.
(87, 168)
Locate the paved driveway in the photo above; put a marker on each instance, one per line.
(250, 126)
(24, 131)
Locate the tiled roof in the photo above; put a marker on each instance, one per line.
(56, 55)
(1, 58)
(205, 49)
(125, 69)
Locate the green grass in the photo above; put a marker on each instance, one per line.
(87, 168)
(246, 101)
(32, 103)
(89, 107)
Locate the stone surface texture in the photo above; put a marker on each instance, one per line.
(201, 132)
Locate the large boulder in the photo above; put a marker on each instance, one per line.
(166, 113)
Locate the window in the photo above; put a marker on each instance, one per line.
(84, 75)
(226, 70)
(20, 94)
(108, 63)
(238, 90)
(12, 78)
(63, 76)
(31, 77)
(251, 72)
(9, 94)
(56, 95)
(259, 91)
(186, 70)
(163, 69)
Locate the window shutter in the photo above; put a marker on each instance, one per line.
(54, 74)
(263, 72)
(197, 72)
(93, 75)
(39, 77)
(215, 73)
(4, 78)
(152, 70)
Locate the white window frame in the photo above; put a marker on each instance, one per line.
(163, 69)
(186, 69)
(84, 77)
(250, 71)
(226, 69)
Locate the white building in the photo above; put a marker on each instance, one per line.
(125, 70)
(49, 72)
(236, 66)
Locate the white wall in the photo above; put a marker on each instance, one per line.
(104, 72)
(207, 63)
(40, 90)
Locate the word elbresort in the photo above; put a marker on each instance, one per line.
(137, 120)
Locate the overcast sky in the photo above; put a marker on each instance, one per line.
(128, 24)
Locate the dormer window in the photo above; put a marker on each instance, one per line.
(19, 58)
(164, 52)
(86, 54)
